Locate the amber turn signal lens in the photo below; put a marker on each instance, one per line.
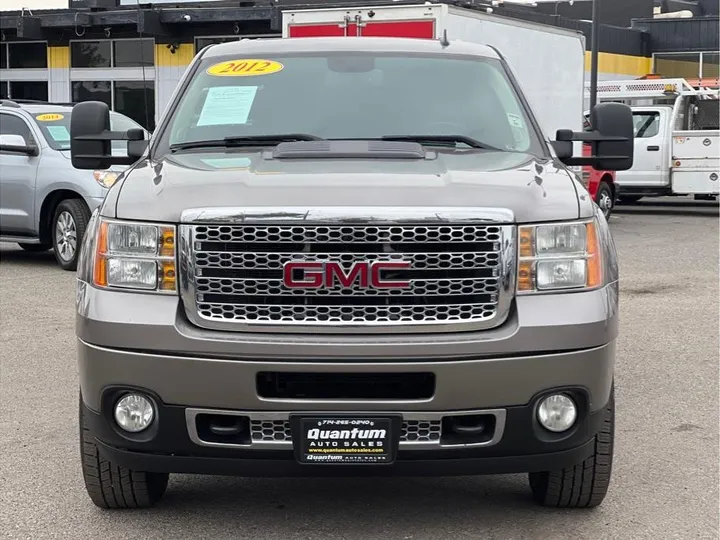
(594, 261)
(526, 240)
(168, 276)
(100, 263)
(525, 276)
(167, 249)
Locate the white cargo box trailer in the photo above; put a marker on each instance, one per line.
(548, 62)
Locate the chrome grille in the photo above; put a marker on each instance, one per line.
(460, 275)
(279, 431)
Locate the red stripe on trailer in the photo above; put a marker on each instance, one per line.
(317, 30)
(407, 29)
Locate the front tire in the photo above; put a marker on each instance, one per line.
(112, 486)
(604, 199)
(585, 484)
(68, 228)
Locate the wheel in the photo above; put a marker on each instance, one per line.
(111, 486)
(604, 199)
(585, 484)
(35, 248)
(629, 199)
(68, 228)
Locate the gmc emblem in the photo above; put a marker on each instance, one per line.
(318, 275)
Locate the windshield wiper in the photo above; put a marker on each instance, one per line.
(250, 140)
(433, 139)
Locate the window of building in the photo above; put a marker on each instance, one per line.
(126, 97)
(92, 91)
(711, 65)
(3, 56)
(4, 90)
(113, 71)
(31, 55)
(35, 90)
(133, 53)
(647, 125)
(90, 54)
(682, 66)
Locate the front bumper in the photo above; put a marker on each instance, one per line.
(523, 447)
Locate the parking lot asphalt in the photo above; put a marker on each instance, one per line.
(665, 477)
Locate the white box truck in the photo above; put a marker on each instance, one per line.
(548, 62)
(677, 141)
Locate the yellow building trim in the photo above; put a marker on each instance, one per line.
(620, 64)
(182, 56)
(58, 57)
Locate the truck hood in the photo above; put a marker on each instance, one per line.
(533, 189)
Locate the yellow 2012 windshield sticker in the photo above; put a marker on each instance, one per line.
(245, 67)
(49, 117)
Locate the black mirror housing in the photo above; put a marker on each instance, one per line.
(90, 118)
(612, 139)
(613, 120)
(91, 138)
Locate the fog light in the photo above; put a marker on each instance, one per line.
(557, 413)
(134, 413)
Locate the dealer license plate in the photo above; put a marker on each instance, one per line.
(359, 441)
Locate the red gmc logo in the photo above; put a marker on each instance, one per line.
(316, 275)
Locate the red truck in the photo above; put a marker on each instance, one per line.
(600, 185)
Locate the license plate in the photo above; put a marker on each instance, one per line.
(346, 441)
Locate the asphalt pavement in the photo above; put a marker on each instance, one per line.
(665, 477)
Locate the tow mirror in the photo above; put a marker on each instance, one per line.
(91, 138)
(611, 139)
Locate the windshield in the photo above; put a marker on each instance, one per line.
(352, 96)
(55, 126)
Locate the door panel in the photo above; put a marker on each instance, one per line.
(649, 165)
(18, 174)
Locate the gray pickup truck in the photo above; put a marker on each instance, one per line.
(348, 257)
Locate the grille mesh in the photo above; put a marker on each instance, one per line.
(279, 431)
(454, 274)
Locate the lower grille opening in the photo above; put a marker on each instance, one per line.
(223, 428)
(279, 385)
(467, 429)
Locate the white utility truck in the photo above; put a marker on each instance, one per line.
(548, 62)
(677, 141)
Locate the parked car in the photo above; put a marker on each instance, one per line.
(45, 203)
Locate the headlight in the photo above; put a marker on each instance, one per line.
(135, 256)
(559, 257)
(106, 178)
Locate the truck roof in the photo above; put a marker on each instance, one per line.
(251, 47)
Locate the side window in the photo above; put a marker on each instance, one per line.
(647, 124)
(14, 125)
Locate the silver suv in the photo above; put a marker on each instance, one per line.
(345, 256)
(44, 201)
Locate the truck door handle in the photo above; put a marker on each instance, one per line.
(653, 148)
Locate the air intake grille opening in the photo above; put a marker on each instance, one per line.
(277, 385)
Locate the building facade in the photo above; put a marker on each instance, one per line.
(132, 56)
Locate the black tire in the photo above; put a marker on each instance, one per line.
(585, 484)
(113, 487)
(35, 248)
(629, 199)
(80, 214)
(605, 199)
